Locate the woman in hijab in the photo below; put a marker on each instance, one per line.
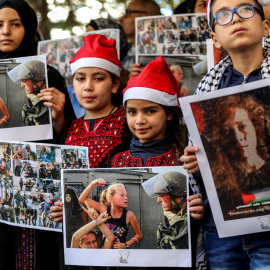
(18, 29)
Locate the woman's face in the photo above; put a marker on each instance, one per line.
(244, 131)
(200, 6)
(11, 30)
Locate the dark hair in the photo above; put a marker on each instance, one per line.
(176, 129)
(117, 98)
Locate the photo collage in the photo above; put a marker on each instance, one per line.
(30, 177)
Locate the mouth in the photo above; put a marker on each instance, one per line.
(6, 41)
(88, 99)
(142, 130)
(239, 30)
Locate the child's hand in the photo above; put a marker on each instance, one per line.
(54, 99)
(196, 206)
(100, 182)
(190, 160)
(135, 69)
(57, 211)
(103, 218)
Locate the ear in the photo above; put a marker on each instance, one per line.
(266, 26)
(169, 116)
(116, 86)
(216, 42)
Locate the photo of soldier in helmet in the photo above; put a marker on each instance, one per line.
(170, 188)
(31, 76)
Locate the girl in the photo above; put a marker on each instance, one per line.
(154, 118)
(114, 201)
(96, 79)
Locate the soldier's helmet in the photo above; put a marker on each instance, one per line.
(33, 70)
(173, 183)
(27, 146)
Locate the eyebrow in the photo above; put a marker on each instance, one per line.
(13, 20)
(93, 74)
(225, 8)
(146, 108)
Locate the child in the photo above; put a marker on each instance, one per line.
(114, 201)
(96, 78)
(239, 28)
(154, 118)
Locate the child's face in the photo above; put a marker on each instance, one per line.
(146, 120)
(240, 34)
(120, 197)
(94, 88)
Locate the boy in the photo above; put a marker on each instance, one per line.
(239, 27)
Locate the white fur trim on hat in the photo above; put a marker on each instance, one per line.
(95, 62)
(150, 94)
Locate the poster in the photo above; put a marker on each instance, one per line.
(30, 177)
(22, 115)
(59, 53)
(179, 39)
(231, 129)
(142, 186)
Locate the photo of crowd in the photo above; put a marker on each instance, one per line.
(30, 176)
(176, 35)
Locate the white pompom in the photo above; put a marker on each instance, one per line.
(264, 2)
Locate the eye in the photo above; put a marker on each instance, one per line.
(99, 79)
(151, 111)
(79, 79)
(131, 112)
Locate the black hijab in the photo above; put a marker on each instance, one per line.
(187, 6)
(30, 23)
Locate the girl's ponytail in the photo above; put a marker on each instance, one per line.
(103, 197)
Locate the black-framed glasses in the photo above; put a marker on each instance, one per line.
(130, 11)
(245, 11)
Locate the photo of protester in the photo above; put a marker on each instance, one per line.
(117, 197)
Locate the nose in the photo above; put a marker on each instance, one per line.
(236, 17)
(5, 29)
(140, 119)
(158, 200)
(88, 85)
(22, 84)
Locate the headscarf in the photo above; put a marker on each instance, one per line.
(187, 6)
(103, 23)
(30, 23)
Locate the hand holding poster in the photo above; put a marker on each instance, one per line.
(151, 231)
(231, 129)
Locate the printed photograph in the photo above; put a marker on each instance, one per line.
(134, 209)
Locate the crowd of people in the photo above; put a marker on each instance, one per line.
(133, 123)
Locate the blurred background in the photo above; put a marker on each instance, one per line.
(64, 18)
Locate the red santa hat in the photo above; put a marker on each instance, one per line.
(208, 9)
(97, 51)
(155, 83)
